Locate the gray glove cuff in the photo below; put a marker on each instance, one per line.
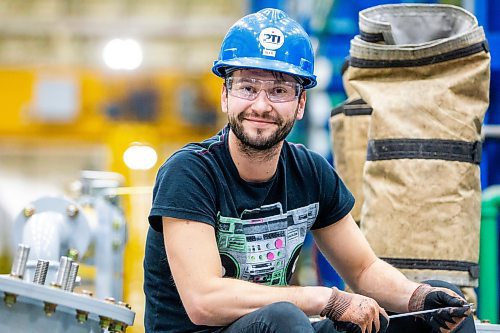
(337, 305)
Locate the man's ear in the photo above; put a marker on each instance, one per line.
(302, 105)
(223, 98)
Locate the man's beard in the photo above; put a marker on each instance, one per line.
(261, 143)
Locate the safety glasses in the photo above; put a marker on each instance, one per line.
(277, 91)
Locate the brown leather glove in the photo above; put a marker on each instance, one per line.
(355, 313)
(426, 297)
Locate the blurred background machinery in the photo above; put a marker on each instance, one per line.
(62, 244)
(91, 230)
(72, 101)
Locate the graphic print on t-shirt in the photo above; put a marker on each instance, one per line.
(263, 245)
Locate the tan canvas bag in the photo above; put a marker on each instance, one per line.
(424, 70)
(349, 136)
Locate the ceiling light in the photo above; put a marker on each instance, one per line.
(124, 54)
(140, 157)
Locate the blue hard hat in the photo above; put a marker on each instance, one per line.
(269, 40)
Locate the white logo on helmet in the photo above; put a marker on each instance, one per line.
(271, 38)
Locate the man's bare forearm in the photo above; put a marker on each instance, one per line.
(223, 300)
(388, 286)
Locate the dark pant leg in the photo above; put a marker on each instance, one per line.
(324, 326)
(417, 325)
(280, 317)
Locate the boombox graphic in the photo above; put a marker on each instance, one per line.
(263, 245)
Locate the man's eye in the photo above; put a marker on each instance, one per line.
(247, 89)
(280, 90)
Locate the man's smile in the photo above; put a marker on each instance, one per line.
(260, 121)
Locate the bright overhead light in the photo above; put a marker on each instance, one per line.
(140, 157)
(123, 54)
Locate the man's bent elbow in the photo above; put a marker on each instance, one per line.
(201, 303)
(197, 313)
(202, 313)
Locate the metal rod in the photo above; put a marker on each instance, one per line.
(42, 266)
(491, 131)
(429, 311)
(63, 272)
(73, 272)
(19, 264)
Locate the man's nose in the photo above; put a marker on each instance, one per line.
(262, 102)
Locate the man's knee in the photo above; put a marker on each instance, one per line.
(285, 314)
(280, 317)
(444, 284)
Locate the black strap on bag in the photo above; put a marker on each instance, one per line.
(433, 264)
(455, 54)
(435, 149)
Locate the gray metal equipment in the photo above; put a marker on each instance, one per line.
(52, 237)
(91, 229)
(38, 307)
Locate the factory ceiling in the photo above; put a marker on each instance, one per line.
(174, 34)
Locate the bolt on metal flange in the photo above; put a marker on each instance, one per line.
(72, 210)
(10, 299)
(117, 224)
(29, 211)
(125, 305)
(49, 308)
(110, 300)
(104, 322)
(87, 293)
(117, 327)
(73, 254)
(81, 316)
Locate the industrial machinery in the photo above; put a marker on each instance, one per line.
(55, 237)
(90, 229)
(37, 307)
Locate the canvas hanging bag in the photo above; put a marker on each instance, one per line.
(424, 70)
(349, 137)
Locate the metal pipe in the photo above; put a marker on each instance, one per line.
(45, 232)
(491, 131)
(488, 255)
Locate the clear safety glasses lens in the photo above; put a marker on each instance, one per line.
(277, 91)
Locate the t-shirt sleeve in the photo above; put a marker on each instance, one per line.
(184, 189)
(335, 199)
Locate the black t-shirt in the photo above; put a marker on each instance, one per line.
(259, 227)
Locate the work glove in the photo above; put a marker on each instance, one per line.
(355, 313)
(426, 297)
